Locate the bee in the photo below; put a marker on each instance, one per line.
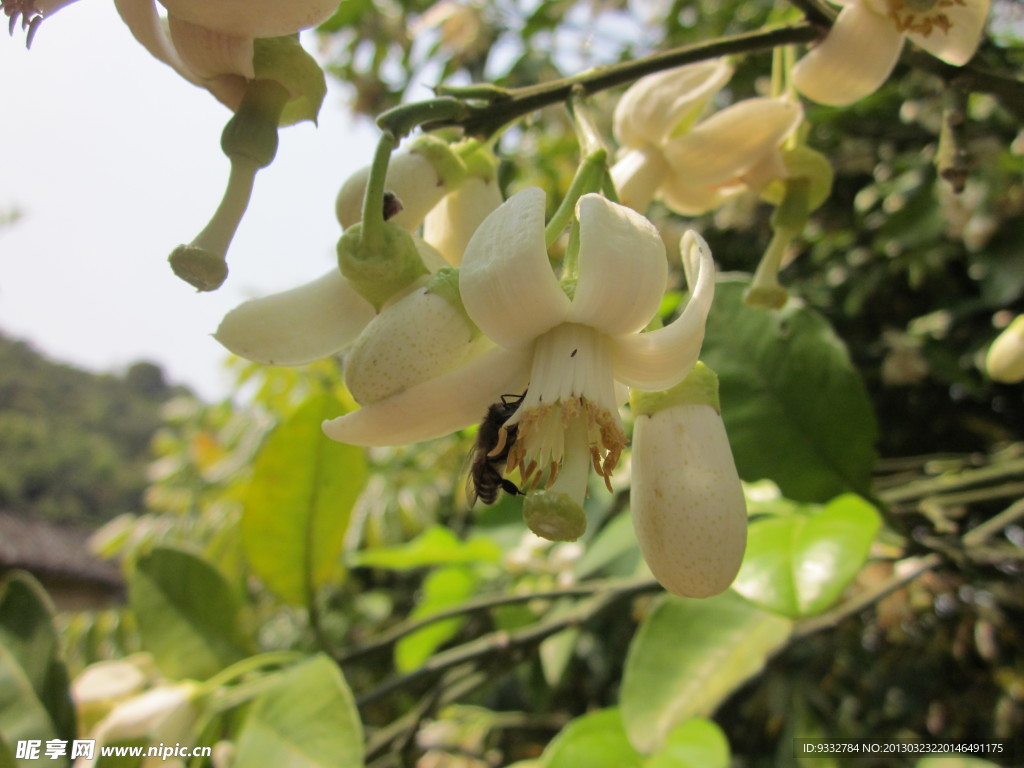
(487, 459)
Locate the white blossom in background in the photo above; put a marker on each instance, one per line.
(668, 153)
(862, 48)
(1005, 360)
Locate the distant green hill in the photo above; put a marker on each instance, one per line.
(74, 445)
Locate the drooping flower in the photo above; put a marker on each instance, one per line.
(571, 341)
(862, 48)
(687, 503)
(214, 44)
(695, 166)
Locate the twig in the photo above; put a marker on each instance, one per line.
(406, 628)
(906, 571)
(944, 483)
(484, 119)
(504, 643)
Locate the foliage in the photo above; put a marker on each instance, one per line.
(74, 445)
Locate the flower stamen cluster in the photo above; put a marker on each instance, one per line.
(921, 21)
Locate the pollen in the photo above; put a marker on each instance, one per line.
(922, 17)
(540, 447)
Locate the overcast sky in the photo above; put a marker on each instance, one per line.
(114, 159)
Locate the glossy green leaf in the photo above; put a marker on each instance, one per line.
(307, 719)
(187, 613)
(688, 656)
(799, 565)
(793, 403)
(613, 550)
(435, 546)
(298, 504)
(442, 589)
(696, 743)
(595, 740)
(35, 701)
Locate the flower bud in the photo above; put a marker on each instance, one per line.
(688, 508)
(421, 336)
(1005, 359)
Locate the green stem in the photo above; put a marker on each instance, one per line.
(485, 119)
(373, 198)
(589, 178)
(251, 664)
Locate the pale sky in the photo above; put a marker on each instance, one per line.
(114, 160)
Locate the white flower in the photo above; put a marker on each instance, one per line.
(695, 166)
(166, 714)
(211, 43)
(686, 499)
(570, 351)
(324, 317)
(1005, 359)
(864, 44)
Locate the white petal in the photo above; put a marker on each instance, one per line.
(622, 268)
(451, 223)
(253, 18)
(853, 60)
(958, 45)
(506, 280)
(688, 200)
(438, 406)
(297, 326)
(655, 106)
(660, 359)
(147, 27)
(686, 500)
(211, 54)
(422, 336)
(723, 147)
(411, 177)
(637, 175)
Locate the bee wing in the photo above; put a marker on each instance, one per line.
(467, 470)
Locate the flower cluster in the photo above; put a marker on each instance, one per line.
(484, 318)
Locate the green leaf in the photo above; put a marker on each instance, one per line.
(794, 405)
(799, 565)
(696, 743)
(435, 546)
(35, 700)
(612, 551)
(954, 762)
(595, 740)
(307, 719)
(187, 614)
(123, 760)
(298, 504)
(688, 656)
(442, 589)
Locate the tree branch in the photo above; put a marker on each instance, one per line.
(406, 628)
(501, 108)
(504, 643)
